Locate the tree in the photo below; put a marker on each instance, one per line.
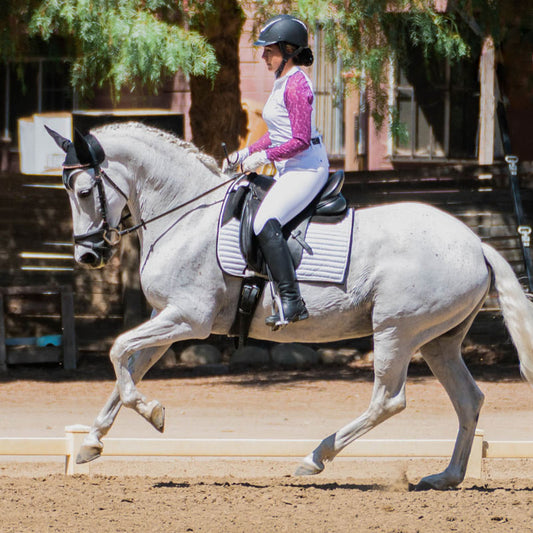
(129, 43)
(124, 43)
(216, 111)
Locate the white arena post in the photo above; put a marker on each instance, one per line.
(475, 461)
(74, 436)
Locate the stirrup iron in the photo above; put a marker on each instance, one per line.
(277, 319)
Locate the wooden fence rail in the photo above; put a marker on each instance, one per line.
(129, 447)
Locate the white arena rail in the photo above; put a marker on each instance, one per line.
(128, 447)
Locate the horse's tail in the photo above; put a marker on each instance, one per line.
(516, 308)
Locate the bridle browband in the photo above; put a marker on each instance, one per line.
(112, 235)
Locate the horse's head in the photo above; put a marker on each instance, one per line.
(96, 201)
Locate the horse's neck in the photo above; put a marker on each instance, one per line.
(158, 192)
(162, 173)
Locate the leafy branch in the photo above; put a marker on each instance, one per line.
(125, 43)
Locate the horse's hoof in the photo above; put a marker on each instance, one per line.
(434, 482)
(308, 467)
(157, 417)
(420, 486)
(88, 454)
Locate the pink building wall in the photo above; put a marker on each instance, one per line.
(256, 81)
(377, 150)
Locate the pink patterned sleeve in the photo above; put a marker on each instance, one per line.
(261, 144)
(299, 102)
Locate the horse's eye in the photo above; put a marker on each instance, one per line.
(84, 193)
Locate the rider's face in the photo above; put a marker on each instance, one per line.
(272, 56)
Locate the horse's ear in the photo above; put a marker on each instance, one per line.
(88, 150)
(61, 141)
(82, 148)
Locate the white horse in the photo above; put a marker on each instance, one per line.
(416, 279)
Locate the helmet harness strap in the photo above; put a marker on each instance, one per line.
(286, 56)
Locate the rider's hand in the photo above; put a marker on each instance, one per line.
(231, 162)
(254, 161)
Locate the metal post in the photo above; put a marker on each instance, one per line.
(6, 137)
(5, 140)
(524, 230)
(40, 87)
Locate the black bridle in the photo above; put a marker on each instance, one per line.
(112, 235)
(109, 234)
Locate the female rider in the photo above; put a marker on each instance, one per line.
(293, 144)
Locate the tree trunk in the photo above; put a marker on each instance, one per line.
(216, 112)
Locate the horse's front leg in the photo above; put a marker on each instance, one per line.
(92, 445)
(167, 327)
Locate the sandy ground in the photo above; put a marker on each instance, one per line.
(238, 495)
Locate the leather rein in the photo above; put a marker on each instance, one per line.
(112, 235)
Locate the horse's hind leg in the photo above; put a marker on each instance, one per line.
(443, 355)
(391, 359)
(92, 445)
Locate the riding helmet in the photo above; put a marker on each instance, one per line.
(283, 28)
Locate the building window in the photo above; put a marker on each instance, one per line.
(329, 98)
(35, 86)
(437, 107)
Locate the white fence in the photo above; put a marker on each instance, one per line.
(68, 446)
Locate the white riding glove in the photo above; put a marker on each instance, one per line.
(231, 162)
(254, 161)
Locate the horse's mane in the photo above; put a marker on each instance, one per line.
(165, 136)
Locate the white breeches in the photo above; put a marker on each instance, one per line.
(292, 192)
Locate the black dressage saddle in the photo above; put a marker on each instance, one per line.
(243, 200)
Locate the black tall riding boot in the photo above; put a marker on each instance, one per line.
(278, 258)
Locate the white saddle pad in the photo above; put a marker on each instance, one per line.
(330, 243)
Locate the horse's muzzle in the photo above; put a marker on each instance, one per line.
(91, 259)
(93, 255)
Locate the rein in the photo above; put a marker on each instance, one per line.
(112, 235)
(143, 223)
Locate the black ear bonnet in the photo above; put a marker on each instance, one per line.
(84, 152)
(87, 151)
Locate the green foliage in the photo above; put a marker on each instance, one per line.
(397, 129)
(124, 43)
(129, 43)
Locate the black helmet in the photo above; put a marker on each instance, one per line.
(283, 28)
